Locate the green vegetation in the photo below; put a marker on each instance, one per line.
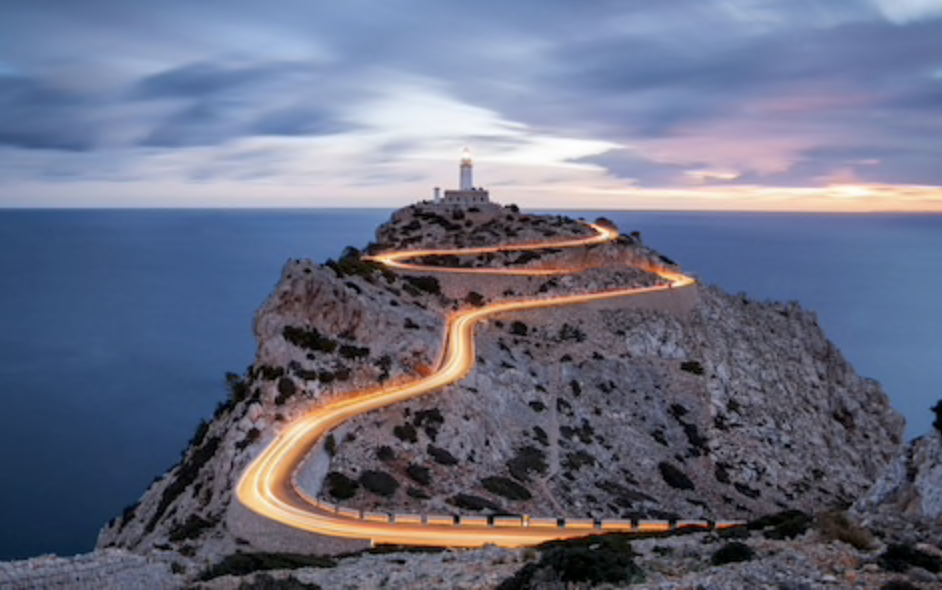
(732, 552)
(518, 328)
(568, 332)
(474, 298)
(186, 474)
(286, 389)
(238, 388)
(836, 526)
(406, 433)
(197, 439)
(419, 474)
(309, 339)
(692, 367)
(330, 444)
(251, 436)
(385, 454)
(899, 558)
(442, 456)
(191, 528)
(506, 488)
(243, 564)
(937, 410)
(578, 459)
(594, 560)
(340, 486)
(787, 524)
(352, 264)
(348, 351)
(674, 477)
(427, 284)
(270, 373)
(899, 585)
(267, 582)
(379, 483)
(471, 502)
(527, 460)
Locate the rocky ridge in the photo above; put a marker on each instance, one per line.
(731, 408)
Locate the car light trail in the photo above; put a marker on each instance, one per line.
(268, 485)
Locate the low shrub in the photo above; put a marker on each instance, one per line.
(406, 433)
(674, 477)
(606, 559)
(286, 389)
(787, 524)
(692, 367)
(506, 488)
(340, 486)
(836, 526)
(732, 552)
(243, 564)
(428, 284)
(442, 456)
(474, 298)
(308, 339)
(899, 558)
(518, 328)
(527, 460)
(186, 474)
(937, 410)
(386, 454)
(349, 351)
(379, 483)
(191, 528)
(267, 582)
(419, 474)
(330, 445)
(251, 436)
(899, 585)
(470, 502)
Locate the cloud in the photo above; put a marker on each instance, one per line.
(34, 115)
(905, 11)
(688, 93)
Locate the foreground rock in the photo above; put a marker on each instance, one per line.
(906, 500)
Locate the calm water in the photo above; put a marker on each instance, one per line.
(116, 328)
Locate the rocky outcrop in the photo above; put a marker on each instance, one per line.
(677, 405)
(424, 225)
(325, 330)
(736, 409)
(910, 489)
(101, 570)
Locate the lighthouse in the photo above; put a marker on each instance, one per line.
(467, 171)
(467, 194)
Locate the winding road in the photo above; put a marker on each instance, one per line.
(268, 485)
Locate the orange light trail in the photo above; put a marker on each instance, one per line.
(268, 485)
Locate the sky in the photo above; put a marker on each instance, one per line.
(791, 105)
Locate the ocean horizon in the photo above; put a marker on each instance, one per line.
(117, 326)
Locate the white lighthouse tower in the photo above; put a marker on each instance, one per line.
(467, 171)
(466, 195)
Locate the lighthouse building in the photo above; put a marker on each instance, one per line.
(467, 194)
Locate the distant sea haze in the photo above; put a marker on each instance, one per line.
(117, 327)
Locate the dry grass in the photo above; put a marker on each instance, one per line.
(836, 526)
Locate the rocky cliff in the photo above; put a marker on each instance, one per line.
(716, 406)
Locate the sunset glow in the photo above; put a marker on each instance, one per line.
(703, 104)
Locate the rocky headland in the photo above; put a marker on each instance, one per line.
(692, 404)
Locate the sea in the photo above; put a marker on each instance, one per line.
(118, 326)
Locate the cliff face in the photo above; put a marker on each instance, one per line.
(732, 410)
(909, 492)
(712, 406)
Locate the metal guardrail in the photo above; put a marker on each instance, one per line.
(626, 525)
